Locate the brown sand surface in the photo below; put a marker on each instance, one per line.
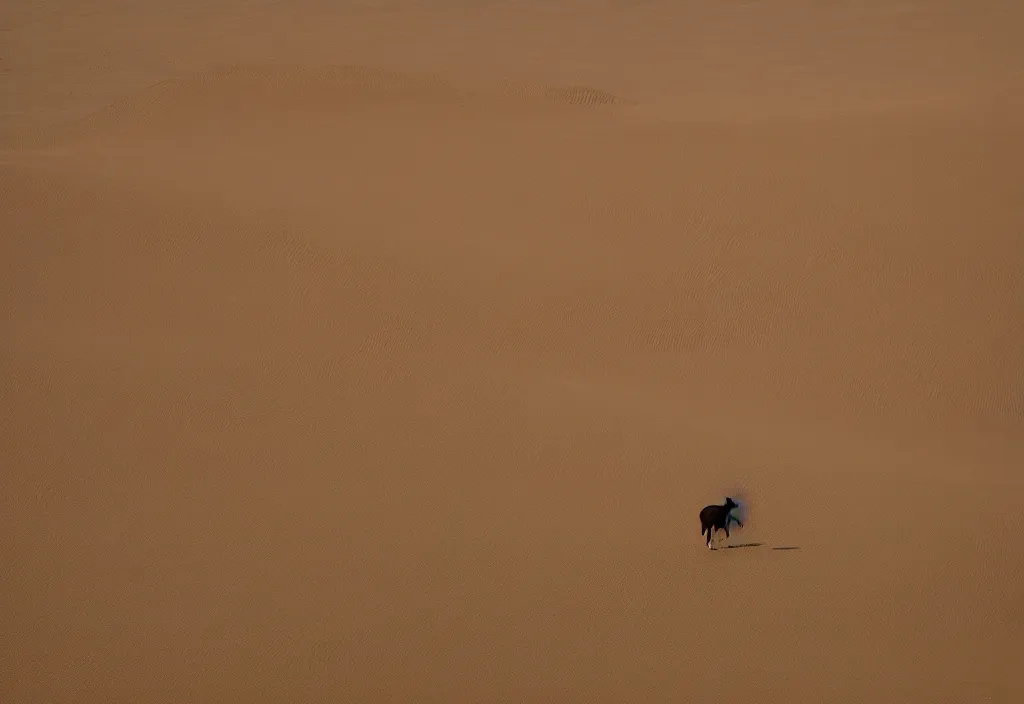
(387, 351)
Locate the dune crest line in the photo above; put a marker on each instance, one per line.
(331, 88)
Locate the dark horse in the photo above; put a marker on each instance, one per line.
(716, 517)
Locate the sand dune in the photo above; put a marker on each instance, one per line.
(383, 353)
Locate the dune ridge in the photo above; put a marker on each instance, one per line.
(330, 88)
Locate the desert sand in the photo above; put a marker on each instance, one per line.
(387, 351)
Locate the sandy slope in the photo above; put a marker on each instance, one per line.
(363, 355)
